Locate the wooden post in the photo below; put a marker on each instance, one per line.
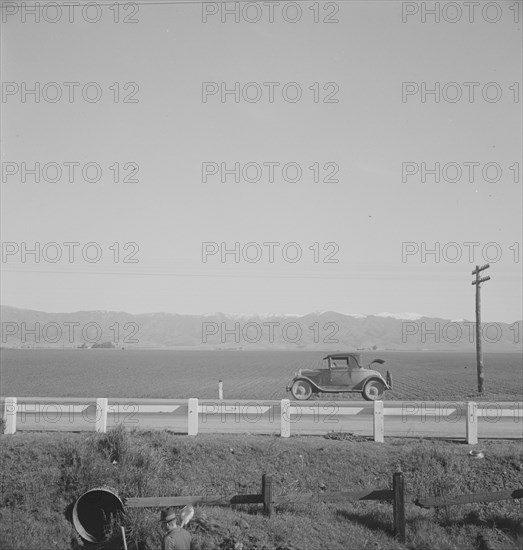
(10, 410)
(398, 489)
(285, 430)
(220, 390)
(479, 352)
(101, 415)
(267, 494)
(379, 424)
(192, 419)
(472, 423)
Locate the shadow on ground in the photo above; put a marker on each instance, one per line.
(367, 520)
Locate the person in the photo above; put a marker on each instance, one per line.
(176, 537)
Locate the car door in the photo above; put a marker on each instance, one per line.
(340, 375)
(357, 373)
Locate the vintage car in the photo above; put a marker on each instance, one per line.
(344, 372)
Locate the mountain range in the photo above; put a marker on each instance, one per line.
(329, 330)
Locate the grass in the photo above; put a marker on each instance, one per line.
(44, 473)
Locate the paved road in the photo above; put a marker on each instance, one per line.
(402, 419)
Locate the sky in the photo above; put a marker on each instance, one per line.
(374, 233)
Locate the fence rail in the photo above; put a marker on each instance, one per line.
(193, 415)
(161, 502)
(432, 502)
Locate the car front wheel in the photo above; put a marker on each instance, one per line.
(301, 390)
(373, 390)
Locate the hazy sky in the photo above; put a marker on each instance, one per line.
(169, 131)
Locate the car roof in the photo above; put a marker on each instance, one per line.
(342, 355)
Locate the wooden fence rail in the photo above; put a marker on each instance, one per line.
(341, 496)
(451, 500)
(164, 502)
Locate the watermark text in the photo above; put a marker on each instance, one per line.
(269, 252)
(270, 92)
(53, 252)
(269, 332)
(69, 172)
(453, 252)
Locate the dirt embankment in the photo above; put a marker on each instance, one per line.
(43, 473)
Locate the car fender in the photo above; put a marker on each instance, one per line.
(314, 385)
(361, 385)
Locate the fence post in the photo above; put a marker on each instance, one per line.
(267, 494)
(101, 415)
(192, 419)
(379, 424)
(472, 423)
(398, 489)
(220, 390)
(285, 430)
(10, 410)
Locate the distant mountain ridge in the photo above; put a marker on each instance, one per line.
(328, 330)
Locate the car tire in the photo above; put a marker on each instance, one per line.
(301, 390)
(373, 390)
(389, 379)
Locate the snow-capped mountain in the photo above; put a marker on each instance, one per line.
(402, 316)
(327, 330)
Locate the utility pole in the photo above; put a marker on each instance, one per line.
(479, 353)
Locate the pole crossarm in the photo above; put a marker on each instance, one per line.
(482, 280)
(482, 268)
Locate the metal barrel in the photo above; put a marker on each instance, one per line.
(94, 512)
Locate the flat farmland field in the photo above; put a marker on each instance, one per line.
(439, 376)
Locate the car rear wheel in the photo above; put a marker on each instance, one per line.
(301, 390)
(373, 390)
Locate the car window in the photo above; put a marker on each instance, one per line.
(339, 363)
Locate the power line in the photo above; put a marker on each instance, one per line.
(192, 274)
(196, 2)
(408, 276)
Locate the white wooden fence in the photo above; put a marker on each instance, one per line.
(195, 413)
